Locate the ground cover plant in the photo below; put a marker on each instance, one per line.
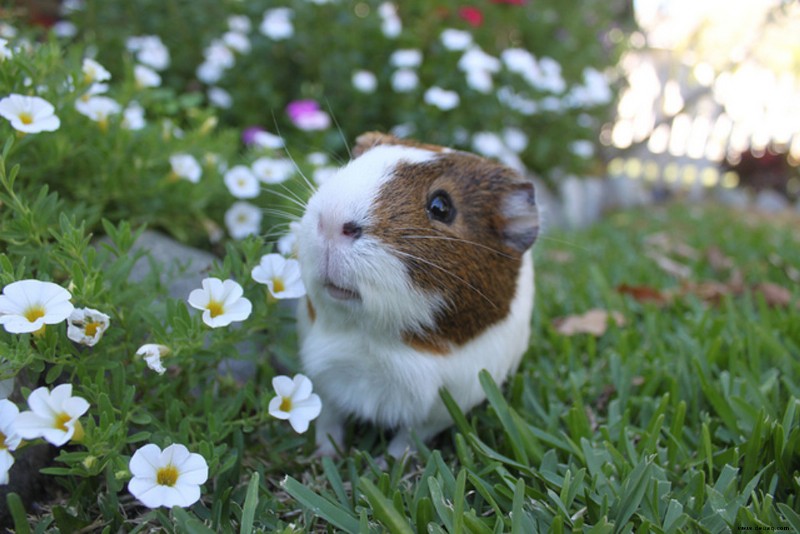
(660, 391)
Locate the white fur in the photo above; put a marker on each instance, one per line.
(353, 351)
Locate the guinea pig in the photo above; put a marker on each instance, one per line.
(417, 266)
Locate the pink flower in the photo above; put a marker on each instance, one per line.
(472, 15)
(249, 134)
(511, 2)
(307, 115)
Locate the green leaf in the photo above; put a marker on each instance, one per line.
(503, 412)
(17, 510)
(189, 524)
(320, 506)
(250, 504)
(383, 508)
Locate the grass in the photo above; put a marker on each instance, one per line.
(683, 420)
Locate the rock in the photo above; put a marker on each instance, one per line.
(182, 267)
(771, 201)
(25, 479)
(737, 198)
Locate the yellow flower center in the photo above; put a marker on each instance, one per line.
(61, 421)
(3, 445)
(91, 329)
(34, 312)
(278, 285)
(215, 308)
(25, 117)
(167, 475)
(286, 404)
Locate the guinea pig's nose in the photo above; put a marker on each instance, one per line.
(352, 230)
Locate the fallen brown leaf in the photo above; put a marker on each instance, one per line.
(645, 294)
(670, 266)
(774, 295)
(708, 291)
(594, 322)
(717, 259)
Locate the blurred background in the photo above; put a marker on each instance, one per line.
(609, 103)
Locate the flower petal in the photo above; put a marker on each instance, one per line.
(31, 425)
(145, 461)
(302, 387)
(283, 385)
(193, 470)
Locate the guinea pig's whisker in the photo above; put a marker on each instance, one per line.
(442, 269)
(339, 128)
(562, 242)
(457, 240)
(291, 198)
(282, 213)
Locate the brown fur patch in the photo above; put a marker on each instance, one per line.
(312, 313)
(430, 344)
(467, 262)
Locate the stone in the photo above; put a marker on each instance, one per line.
(182, 267)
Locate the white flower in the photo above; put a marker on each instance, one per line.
(71, 6)
(364, 81)
(267, 140)
(287, 245)
(7, 31)
(517, 102)
(150, 50)
(480, 80)
(404, 80)
(186, 166)
(5, 51)
(239, 23)
(218, 53)
(477, 59)
(236, 41)
(64, 29)
(488, 144)
(317, 159)
(551, 79)
(53, 415)
(146, 77)
(29, 114)
(243, 219)
(209, 72)
(442, 98)
(9, 439)
(408, 58)
(98, 108)
(391, 25)
(582, 148)
(456, 39)
(241, 182)
(222, 302)
(94, 72)
(295, 401)
(273, 171)
(519, 60)
(86, 326)
(280, 275)
(152, 354)
(220, 97)
(515, 139)
(168, 478)
(277, 23)
(133, 117)
(27, 305)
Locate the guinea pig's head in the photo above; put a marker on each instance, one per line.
(418, 241)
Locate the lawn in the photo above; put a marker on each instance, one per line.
(684, 419)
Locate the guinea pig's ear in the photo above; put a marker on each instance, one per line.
(521, 218)
(369, 140)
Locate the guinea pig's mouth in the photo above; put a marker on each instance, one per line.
(341, 293)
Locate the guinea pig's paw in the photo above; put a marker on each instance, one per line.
(327, 449)
(401, 445)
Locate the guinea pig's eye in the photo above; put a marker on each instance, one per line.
(440, 207)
